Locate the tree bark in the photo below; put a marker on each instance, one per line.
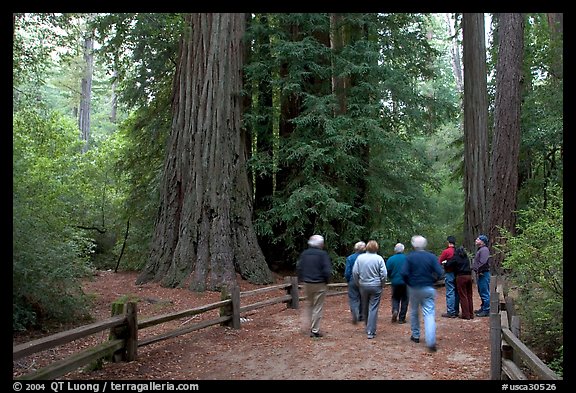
(556, 25)
(475, 127)
(503, 188)
(204, 232)
(86, 89)
(455, 54)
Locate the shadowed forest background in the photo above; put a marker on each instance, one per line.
(196, 148)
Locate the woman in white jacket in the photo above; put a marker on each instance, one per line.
(370, 273)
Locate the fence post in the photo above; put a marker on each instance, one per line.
(293, 291)
(132, 332)
(233, 309)
(495, 333)
(118, 308)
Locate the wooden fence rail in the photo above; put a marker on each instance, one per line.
(123, 342)
(508, 354)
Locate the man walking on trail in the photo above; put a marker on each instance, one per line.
(421, 270)
(314, 269)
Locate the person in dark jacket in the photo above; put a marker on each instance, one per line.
(399, 291)
(452, 298)
(314, 269)
(420, 271)
(354, 298)
(460, 265)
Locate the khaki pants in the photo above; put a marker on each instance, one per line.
(315, 293)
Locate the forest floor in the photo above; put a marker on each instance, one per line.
(273, 342)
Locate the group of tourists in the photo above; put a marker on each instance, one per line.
(412, 278)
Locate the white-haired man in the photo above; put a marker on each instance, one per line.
(420, 272)
(400, 300)
(314, 269)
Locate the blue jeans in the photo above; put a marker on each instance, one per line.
(354, 301)
(370, 302)
(483, 282)
(424, 298)
(452, 298)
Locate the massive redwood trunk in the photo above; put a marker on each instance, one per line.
(503, 189)
(475, 128)
(204, 232)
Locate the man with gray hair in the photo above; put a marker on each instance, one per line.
(420, 272)
(400, 300)
(314, 269)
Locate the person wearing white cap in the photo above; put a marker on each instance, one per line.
(314, 269)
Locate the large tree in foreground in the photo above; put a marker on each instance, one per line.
(476, 156)
(203, 231)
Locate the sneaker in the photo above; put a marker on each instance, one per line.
(394, 316)
(317, 334)
(371, 335)
(447, 315)
(477, 311)
(483, 314)
(432, 348)
(416, 340)
(401, 321)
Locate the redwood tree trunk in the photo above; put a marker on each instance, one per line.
(86, 89)
(506, 142)
(204, 232)
(475, 127)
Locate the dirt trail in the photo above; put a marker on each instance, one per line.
(273, 343)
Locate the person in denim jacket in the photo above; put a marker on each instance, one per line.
(481, 266)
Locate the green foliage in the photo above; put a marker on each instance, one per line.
(534, 262)
(49, 255)
(353, 174)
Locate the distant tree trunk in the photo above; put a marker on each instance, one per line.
(475, 127)
(455, 54)
(114, 100)
(503, 188)
(263, 125)
(339, 83)
(204, 232)
(556, 24)
(86, 90)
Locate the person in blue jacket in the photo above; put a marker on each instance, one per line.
(400, 300)
(420, 272)
(354, 298)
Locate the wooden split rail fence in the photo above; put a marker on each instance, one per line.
(123, 342)
(509, 356)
